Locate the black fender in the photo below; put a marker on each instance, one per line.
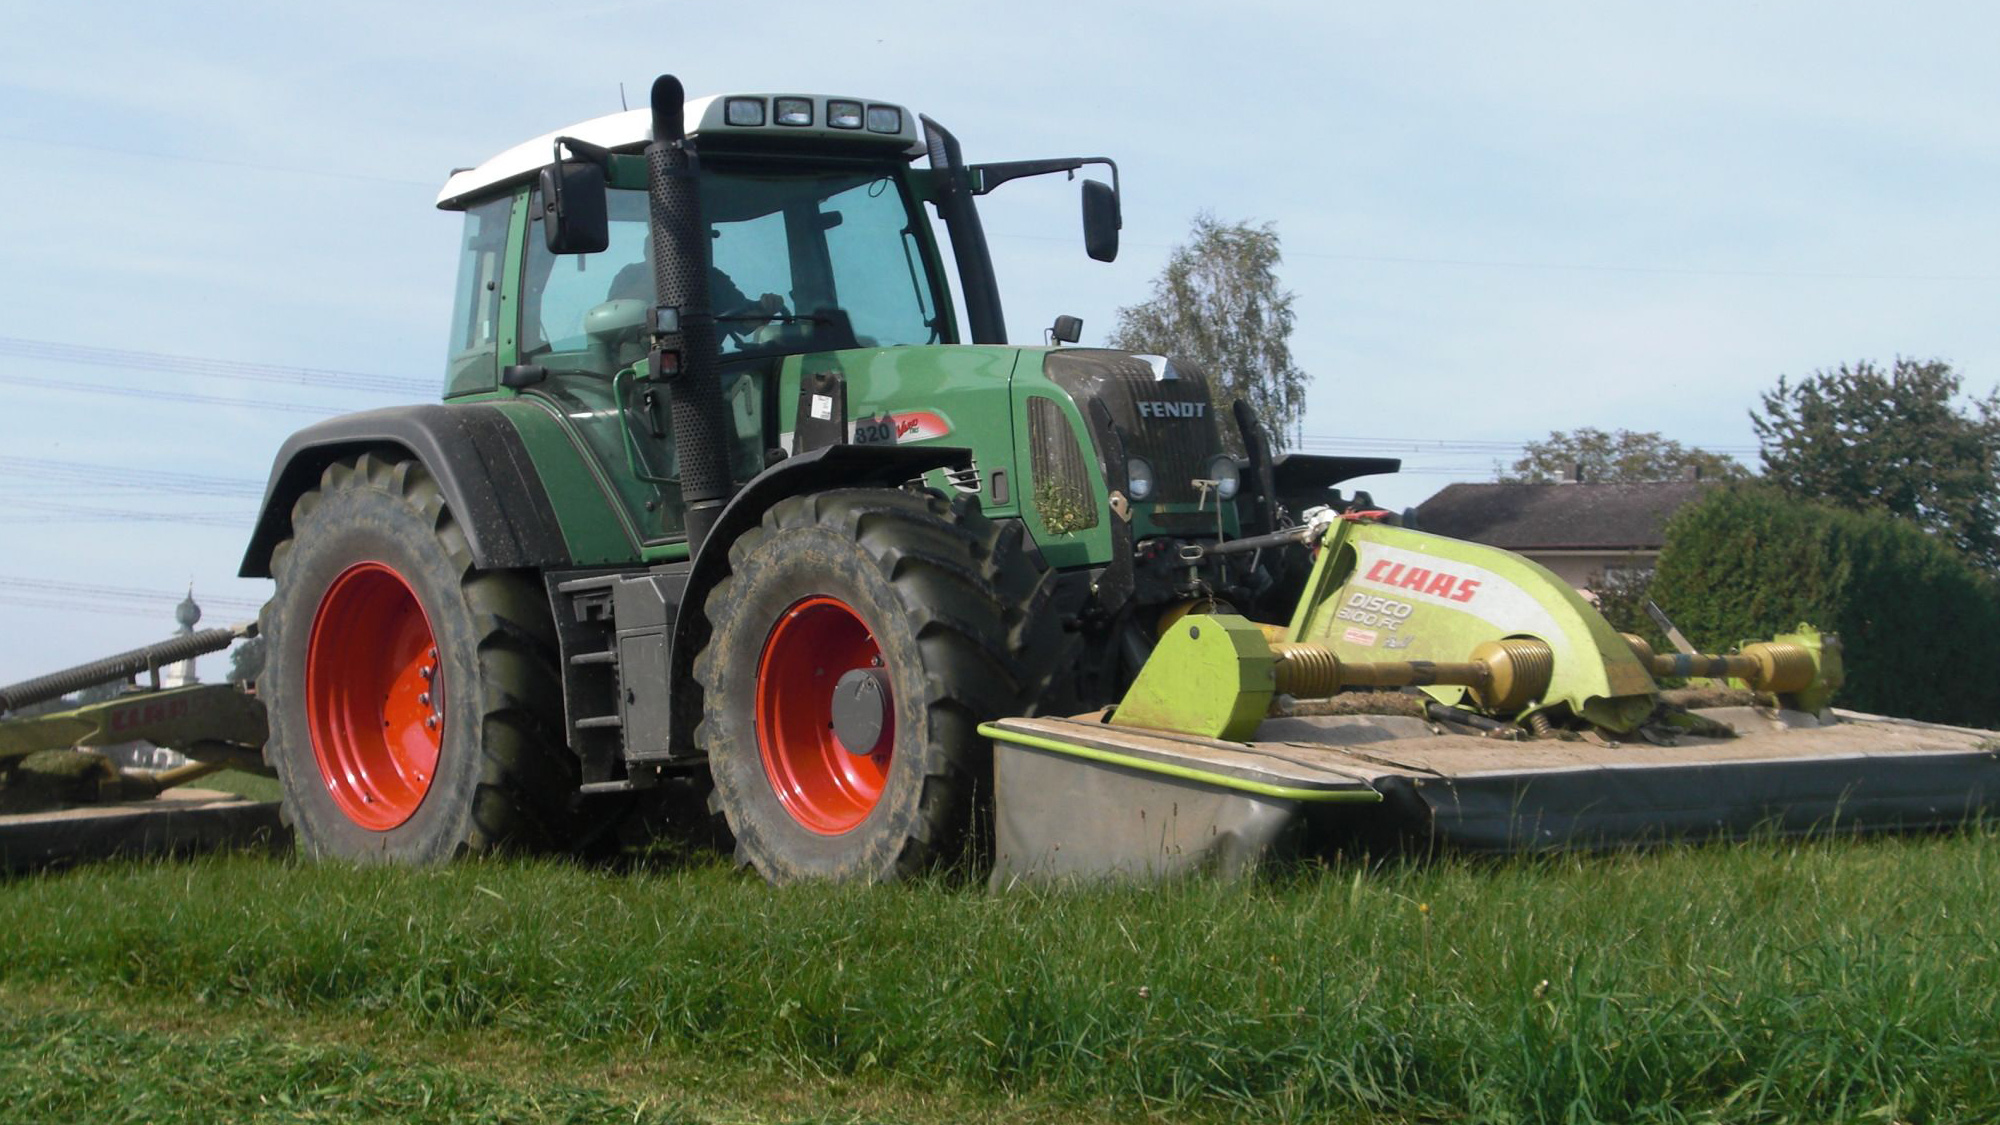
(1296, 474)
(814, 470)
(471, 449)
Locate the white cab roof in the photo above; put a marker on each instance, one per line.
(632, 130)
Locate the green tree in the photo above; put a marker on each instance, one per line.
(1218, 304)
(1618, 457)
(1621, 593)
(1895, 441)
(246, 661)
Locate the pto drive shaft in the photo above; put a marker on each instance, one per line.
(1774, 666)
(1505, 675)
(1214, 675)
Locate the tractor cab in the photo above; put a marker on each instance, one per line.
(820, 264)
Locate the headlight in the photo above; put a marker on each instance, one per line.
(1228, 477)
(794, 111)
(843, 115)
(885, 119)
(1139, 476)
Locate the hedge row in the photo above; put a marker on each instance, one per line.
(1920, 624)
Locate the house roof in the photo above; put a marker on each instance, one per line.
(1565, 516)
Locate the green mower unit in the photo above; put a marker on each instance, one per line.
(727, 516)
(63, 796)
(1526, 723)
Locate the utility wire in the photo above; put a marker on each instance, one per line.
(184, 158)
(1557, 267)
(42, 587)
(214, 368)
(68, 513)
(108, 476)
(170, 396)
(80, 605)
(1378, 259)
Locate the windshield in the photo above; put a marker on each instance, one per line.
(800, 263)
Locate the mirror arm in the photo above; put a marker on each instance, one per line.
(584, 150)
(986, 177)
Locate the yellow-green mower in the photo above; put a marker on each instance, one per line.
(1536, 725)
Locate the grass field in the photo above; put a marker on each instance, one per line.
(1775, 981)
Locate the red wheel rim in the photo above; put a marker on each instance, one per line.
(374, 696)
(823, 787)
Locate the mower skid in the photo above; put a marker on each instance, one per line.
(1081, 798)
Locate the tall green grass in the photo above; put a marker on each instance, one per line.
(1775, 981)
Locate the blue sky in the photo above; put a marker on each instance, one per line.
(1498, 219)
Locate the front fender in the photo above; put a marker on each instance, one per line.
(815, 470)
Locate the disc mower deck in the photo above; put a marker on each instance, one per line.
(177, 822)
(1079, 797)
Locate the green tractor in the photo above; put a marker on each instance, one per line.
(721, 497)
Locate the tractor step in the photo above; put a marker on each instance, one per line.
(1148, 803)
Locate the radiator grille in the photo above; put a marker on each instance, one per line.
(1059, 476)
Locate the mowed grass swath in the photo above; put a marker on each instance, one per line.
(1765, 981)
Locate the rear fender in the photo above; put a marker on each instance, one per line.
(473, 452)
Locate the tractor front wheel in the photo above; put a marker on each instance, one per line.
(858, 642)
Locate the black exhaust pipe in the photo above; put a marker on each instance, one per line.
(685, 347)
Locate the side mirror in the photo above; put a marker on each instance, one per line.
(1100, 221)
(574, 219)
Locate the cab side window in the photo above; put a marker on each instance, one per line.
(472, 362)
(587, 312)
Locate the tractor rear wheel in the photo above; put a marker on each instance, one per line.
(413, 698)
(859, 640)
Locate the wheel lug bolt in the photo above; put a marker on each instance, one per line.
(431, 722)
(428, 672)
(424, 699)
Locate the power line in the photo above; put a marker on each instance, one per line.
(41, 587)
(1379, 259)
(214, 368)
(170, 396)
(80, 605)
(108, 476)
(69, 513)
(1563, 267)
(184, 158)
(1671, 271)
(1370, 442)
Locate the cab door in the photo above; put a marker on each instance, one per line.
(584, 321)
